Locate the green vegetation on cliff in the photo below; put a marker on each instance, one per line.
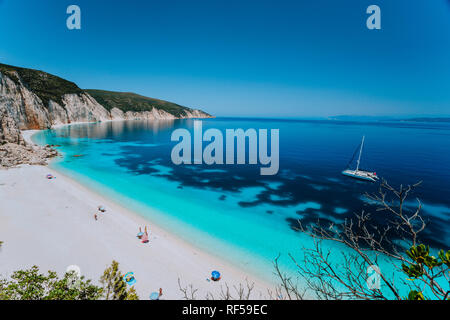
(46, 86)
(49, 87)
(127, 101)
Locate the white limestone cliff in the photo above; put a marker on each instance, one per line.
(21, 109)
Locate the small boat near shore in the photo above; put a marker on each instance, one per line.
(357, 173)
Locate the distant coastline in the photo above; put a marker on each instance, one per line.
(345, 119)
(391, 118)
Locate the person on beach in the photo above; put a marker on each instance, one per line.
(145, 236)
(160, 293)
(95, 216)
(140, 233)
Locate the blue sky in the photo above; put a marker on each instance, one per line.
(244, 58)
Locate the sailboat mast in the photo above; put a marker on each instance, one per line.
(360, 152)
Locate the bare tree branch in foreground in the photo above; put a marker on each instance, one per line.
(396, 241)
(239, 292)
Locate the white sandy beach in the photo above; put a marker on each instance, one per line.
(50, 223)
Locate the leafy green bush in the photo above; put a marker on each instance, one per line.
(426, 268)
(114, 287)
(30, 284)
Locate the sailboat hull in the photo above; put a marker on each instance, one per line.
(360, 175)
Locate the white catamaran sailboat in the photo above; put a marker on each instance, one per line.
(360, 174)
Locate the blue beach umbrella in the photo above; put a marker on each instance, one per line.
(154, 296)
(215, 274)
(129, 278)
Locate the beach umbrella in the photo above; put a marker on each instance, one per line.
(215, 274)
(154, 296)
(129, 278)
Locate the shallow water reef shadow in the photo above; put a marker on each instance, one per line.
(338, 199)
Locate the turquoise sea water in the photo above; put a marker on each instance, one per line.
(233, 212)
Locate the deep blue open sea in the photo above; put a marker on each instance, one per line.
(248, 219)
